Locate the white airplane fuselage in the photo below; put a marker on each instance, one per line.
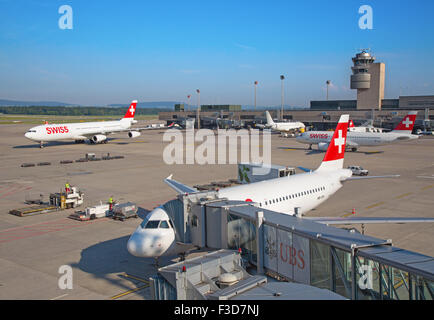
(305, 191)
(286, 126)
(75, 131)
(355, 138)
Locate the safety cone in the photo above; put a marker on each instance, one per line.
(354, 211)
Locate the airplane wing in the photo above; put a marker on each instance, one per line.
(367, 220)
(372, 177)
(178, 186)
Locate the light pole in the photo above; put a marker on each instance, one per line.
(328, 83)
(198, 109)
(188, 101)
(256, 83)
(282, 77)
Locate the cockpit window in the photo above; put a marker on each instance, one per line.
(164, 225)
(152, 224)
(171, 224)
(32, 131)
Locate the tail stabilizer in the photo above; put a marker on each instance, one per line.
(270, 121)
(334, 157)
(351, 124)
(406, 125)
(131, 110)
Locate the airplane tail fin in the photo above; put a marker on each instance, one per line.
(351, 124)
(406, 125)
(131, 110)
(270, 121)
(334, 157)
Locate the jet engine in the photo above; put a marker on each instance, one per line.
(99, 138)
(133, 134)
(323, 146)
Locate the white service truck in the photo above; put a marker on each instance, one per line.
(91, 213)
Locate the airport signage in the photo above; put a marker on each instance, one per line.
(287, 254)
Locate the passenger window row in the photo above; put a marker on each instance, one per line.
(292, 196)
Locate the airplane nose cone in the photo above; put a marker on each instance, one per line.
(27, 135)
(134, 246)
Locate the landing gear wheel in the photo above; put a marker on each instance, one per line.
(353, 149)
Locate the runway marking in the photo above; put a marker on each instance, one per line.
(375, 205)
(42, 228)
(15, 191)
(135, 277)
(427, 187)
(404, 195)
(147, 283)
(348, 215)
(129, 291)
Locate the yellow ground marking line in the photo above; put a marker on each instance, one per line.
(404, 195)
(129, 291)
(136, 278)
(347, 215)
(375, 205)
(427, 187)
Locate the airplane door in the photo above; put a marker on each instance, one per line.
(196, 221)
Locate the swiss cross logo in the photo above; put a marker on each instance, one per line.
(339, 141)
(407, 122)
(131, 110)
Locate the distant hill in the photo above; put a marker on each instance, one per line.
(153, 105)
(16, 103)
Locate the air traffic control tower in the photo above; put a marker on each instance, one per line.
(368, 79)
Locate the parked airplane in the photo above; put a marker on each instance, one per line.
(94, 132)
(365, 127)
(357, 139)
(285, 127)
(156, 235)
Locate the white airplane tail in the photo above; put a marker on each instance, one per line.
(334, 157)
(270, 121)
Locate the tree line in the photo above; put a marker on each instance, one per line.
(77, 111)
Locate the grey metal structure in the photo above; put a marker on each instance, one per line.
(200, 278)
(301, 250)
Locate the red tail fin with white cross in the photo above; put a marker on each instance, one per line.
(334, 157)
(131, 110)
(406, 125)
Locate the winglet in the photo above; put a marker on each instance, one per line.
(178, 186)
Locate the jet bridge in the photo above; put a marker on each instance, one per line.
(304, 251)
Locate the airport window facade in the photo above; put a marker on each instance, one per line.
(317, 263)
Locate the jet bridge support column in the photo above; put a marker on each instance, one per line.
(260, 242)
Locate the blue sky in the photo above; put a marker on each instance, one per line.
(163, 50)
